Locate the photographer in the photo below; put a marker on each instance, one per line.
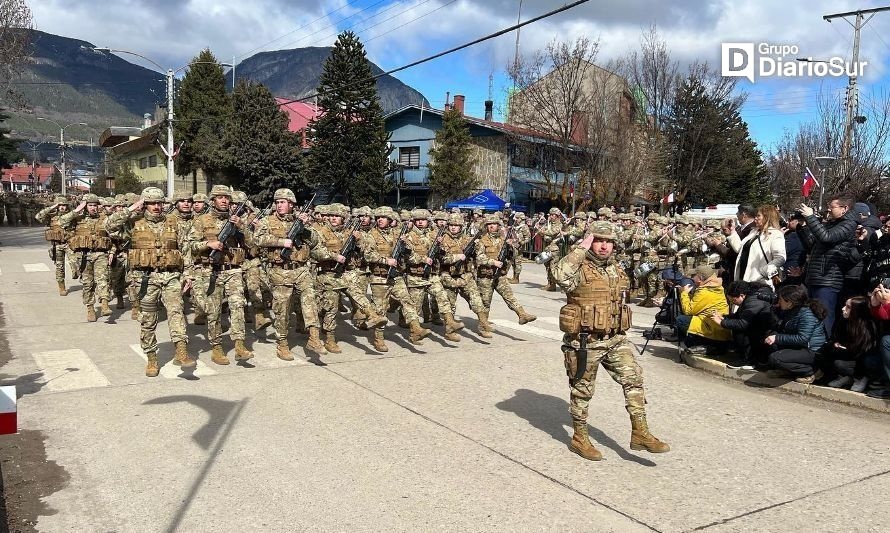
(695, 325)
(826, 243)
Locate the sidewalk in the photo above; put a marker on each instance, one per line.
(758, 379)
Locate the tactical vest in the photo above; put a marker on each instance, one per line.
(333, 240)
(420, 244)
(596, 305)
(251, 249)
(492, 248)
(155, 250)
(385, 241)
(54, 232)
(232, 254)
(90, 234)
(278, 228)
(452, 245)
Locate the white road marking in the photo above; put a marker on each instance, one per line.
(69, 370)
(35, 267)
(528, 328)
(548, 320)
(171, 371)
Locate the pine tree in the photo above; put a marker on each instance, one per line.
(127, 181)
(200, 106)
(451, 162)
(349, 152)
(260, 153)
(9, 153)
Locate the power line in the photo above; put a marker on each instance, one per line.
(419, 61)
(443, 6)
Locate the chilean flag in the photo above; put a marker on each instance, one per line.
(669, 199)
(809, 183)
(8, 417)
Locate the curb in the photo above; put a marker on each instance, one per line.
(755, 378)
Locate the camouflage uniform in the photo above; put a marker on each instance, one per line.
(457, 274)
(492, 278)
(184, 225)
(660, 247)
(91, 245)
(361, 276)
(423, 279)
(13, 209)
(379, 248)
(118, 269)
(156, 262)
(554, 242)
(291, 276)
(57, 237)
(523, 237)
(255, 278)
(215, 281)
(596, 288)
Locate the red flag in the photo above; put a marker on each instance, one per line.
(669, 199)
(809, 183)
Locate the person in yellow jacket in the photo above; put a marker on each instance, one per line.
(695, 325)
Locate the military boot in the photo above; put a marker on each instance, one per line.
(375, 321)
(62, 290)
(550, 287)
(91, 313)
(378, 342)
(103, 306)
(330, 343)
(514, 280)
(581, 442)
(200, 317)
(152, 369)
(641, 439)
(314, 343)
(417, 333)
(260, 320)
(283, 351)
(218, 355)
(524, 317)
(120, 301)
(452, 325)
(241, 351)
(453, 337)
(181, 357)
(484, 328)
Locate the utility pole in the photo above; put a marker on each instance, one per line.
(852, 99)
(170, 162)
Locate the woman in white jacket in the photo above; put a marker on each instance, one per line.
(762, 253)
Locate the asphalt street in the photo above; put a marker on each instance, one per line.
(468, 436)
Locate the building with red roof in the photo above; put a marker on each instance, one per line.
(24, 177)
(299, 114)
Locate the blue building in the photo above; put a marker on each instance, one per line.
(516, 163)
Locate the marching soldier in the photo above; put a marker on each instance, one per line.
(91, 244)
(457, 276)
(56, 236)
(215, 279)
(595, 321)
(332, 282)
(554, 242)
(523, 237)
(380, 255)
(491, 271)
(118, 268)
(252, 266)
(659, 243)
(199, 203)
(361, 275)
(13, 209)
(290, 272)
(155, 260)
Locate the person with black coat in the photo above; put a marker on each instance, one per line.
(800, 335)
(751, 321)
(828, 246)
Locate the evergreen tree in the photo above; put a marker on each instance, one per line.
(713, 159)
(126, 180)
(451, 164)
(200, 106)
(260, 153)
(349, 150)
(9, 153)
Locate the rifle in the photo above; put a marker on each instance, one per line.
(228, 231)
(469, 249)
(504, 254)
(398, 251)
(295, 233)
(348, 246)
(581, 358)
(434, 251)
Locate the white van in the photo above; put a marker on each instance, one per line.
(719, 211)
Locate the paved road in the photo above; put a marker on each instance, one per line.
(442, 437)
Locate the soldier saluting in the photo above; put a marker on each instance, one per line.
(594, 322)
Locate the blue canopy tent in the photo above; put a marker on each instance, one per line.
(486, 200)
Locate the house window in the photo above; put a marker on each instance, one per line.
(152, 160)
(409, 157)
(143, 162)
(525, 156)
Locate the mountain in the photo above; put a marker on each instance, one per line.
(295, 74)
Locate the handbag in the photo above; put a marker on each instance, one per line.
(777, 277)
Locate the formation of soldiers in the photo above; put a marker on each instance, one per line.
(217, 252)
(20, 208)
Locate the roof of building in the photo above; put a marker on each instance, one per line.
(148, 137)
(298, 113)
(21, 173)
(116, 135)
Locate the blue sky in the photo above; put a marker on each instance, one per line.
(396, 32)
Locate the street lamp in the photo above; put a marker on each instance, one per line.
(62, 145)
(169, 74)
(823, 161)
